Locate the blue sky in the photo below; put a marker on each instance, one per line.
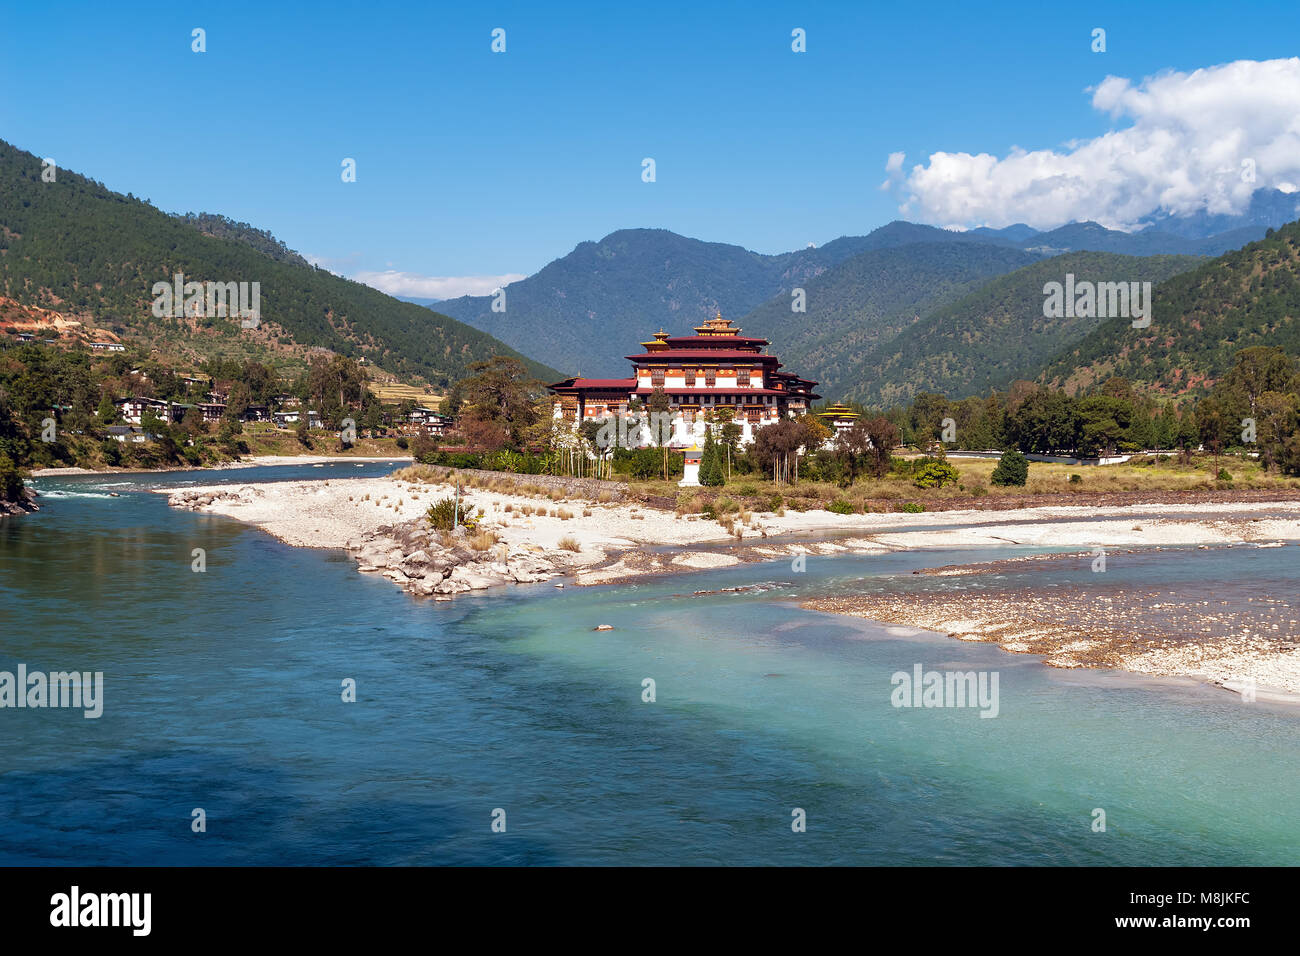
(471, 163)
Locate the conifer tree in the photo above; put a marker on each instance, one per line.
(711, 472)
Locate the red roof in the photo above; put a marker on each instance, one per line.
(712, 339)
(677, 354)
(623, 383)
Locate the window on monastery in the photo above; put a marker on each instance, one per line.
(656, 377)
(690, 377)
(711, 377)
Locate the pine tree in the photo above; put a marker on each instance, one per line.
(1012, 469)
(711, 472)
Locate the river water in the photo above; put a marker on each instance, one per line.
(223, 692)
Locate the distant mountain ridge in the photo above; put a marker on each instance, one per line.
(1268, 208)
(586, 310)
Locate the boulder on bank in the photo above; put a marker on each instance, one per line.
(22, 504)
(412, 555)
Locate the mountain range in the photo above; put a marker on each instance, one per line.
(877, 318)
(875, 325)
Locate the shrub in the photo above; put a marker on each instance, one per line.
(688, 503)
(934, 473)
(746, 490)
(402, 442)
(425, 449)
(725, 505)
(840, 507)
(1076, 479)
(1012, 469)
(111, 452)
(775, 502)
(504, 460)
(912, 507)
(442, 515)
(1224, 475)
(978, 491)
(569, 543)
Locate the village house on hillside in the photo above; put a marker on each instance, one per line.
(717, 368)
(425, 421)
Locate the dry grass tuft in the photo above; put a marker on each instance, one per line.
(483, 541)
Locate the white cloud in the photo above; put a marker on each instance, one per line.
(434, 287)
(1190, 140)
(894, 167)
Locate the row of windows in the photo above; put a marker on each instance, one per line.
(710, 375)
(688, 415)
(593, 408)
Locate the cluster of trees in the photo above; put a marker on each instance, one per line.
(1044, 420)
(1032, 418)
(1254, 407)
(74, 389)
(500, 405)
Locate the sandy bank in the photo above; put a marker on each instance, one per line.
(1244, 643)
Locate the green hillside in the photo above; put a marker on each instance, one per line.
(76, 246)
(869, 299)
(1202, 318)
(995, 334)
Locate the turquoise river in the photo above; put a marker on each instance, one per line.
(222, 691)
